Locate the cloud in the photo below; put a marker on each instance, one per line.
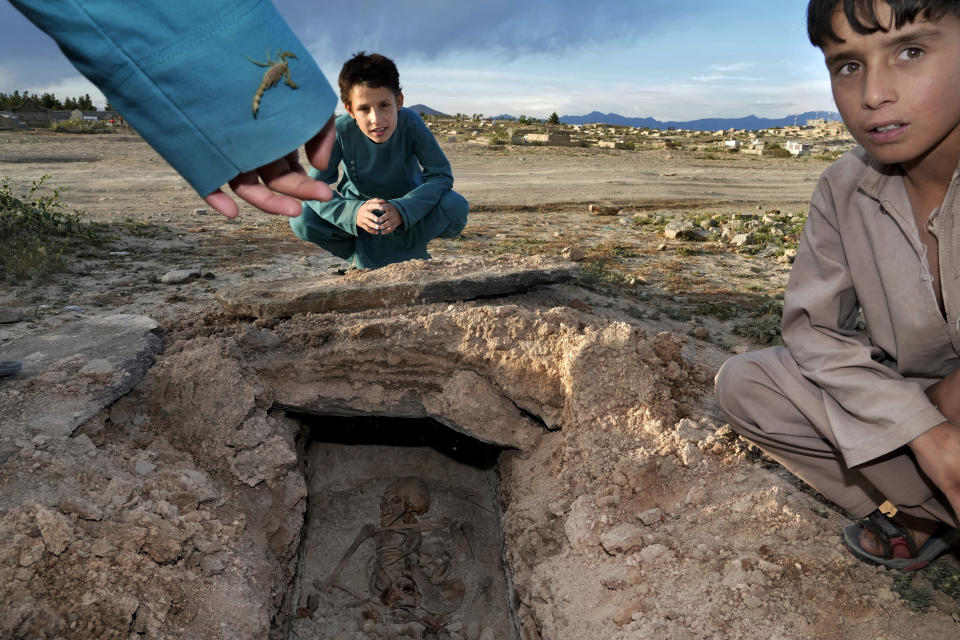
(428, 29)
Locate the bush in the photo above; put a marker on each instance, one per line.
(499, 136)
(35, 232)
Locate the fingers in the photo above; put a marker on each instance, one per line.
(248, 187)
(223, 203)
(287, 177)
(318, 148)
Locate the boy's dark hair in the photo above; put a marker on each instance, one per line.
(372, 71)
(862, 15)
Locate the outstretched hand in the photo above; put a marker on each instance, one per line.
(278, 187)
(938, 450)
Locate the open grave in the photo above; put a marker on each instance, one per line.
(509, 467)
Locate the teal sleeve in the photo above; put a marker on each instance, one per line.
(338, 211)
(437, 175)
(176, 71)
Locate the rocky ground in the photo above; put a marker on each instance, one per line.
(628, 509)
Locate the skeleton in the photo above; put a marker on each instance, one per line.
(276, 69)
(402, 574)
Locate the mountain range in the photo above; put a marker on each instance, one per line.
(703, 124)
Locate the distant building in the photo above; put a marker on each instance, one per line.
(731, 144)
(798, 148)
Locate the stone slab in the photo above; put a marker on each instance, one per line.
(73, 371)
(413, 282)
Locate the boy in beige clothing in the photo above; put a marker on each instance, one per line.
(871, 417)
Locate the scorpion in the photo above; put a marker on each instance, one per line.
(276, 69)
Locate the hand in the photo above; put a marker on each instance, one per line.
(390, 219)
(378, 217)
(281, 179)
(938, 454)
(945, 395)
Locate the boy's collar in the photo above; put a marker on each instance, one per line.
(875, 173)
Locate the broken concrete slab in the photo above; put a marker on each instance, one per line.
(73, 371)
(413, 282)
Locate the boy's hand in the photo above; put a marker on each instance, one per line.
(281, 179)
(945, 395)
(379, 217)
(938, 454)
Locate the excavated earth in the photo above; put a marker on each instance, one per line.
(223, 471)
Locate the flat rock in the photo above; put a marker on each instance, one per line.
(9, 315)
(179, 276)
(684, 230)
(71, 372)
(413, 282)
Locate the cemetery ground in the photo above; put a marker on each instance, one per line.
(644, 521)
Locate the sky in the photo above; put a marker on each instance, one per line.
(666, 59)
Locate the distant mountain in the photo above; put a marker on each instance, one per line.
(422, 108)
(703, 124)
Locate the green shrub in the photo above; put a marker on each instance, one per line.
(35, 232)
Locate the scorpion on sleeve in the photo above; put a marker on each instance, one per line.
(276, 69)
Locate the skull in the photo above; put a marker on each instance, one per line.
(403, 501)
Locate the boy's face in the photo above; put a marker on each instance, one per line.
(899, 92)
(375, 110)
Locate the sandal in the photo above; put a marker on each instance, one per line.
(899, 548)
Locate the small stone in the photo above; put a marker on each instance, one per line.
(102, 549)
(574, 253)
(207, 545)
(603, 210)
(625, 615)
(161, 549)
(789, 255)
(656, 554)
(144, 467)
(31, 552)
(689, 431)
(211, 564)
(650, 517)
(622, 539)
(84, 444)
(179, 276)
(82, 507)
(701, 332)
(9, 315)
(580, 305)
(56, 530)
(690, 455)
(770, 569)
(117, 492)
(199, 212)
(744, 239)
(259, 338)
(683, 230)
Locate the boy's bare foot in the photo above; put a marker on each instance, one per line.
(907, 543)
(919, 529)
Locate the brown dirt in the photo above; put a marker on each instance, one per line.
(640, 517)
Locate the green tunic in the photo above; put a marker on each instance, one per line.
(409, 170)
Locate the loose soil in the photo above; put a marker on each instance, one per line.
(646, 521)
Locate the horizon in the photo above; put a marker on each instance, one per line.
(671, 60)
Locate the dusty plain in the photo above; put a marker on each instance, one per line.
(645, 521)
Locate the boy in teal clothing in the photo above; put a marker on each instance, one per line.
(395, 193)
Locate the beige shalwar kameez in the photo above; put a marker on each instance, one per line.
(836, 405)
